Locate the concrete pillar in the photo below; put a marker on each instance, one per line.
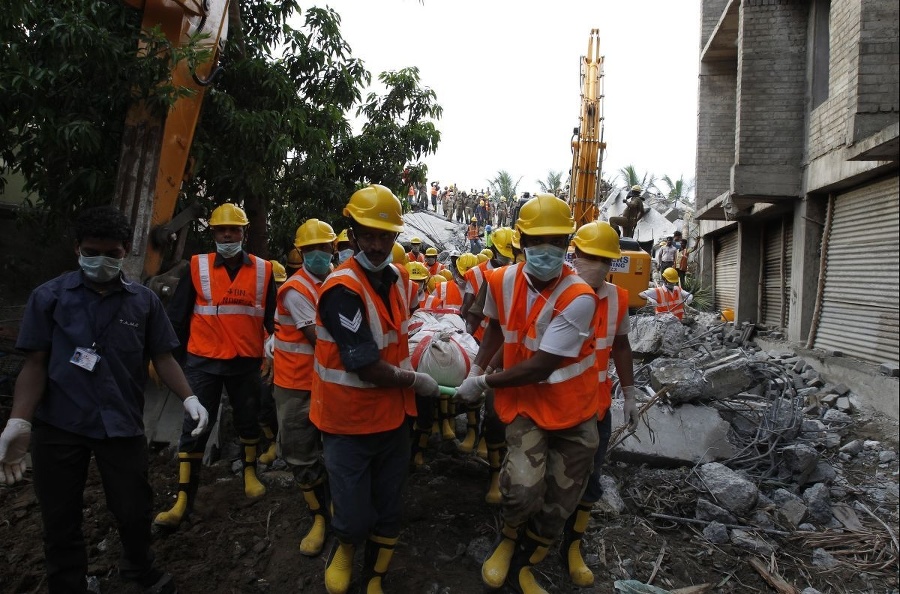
(749, 259)
(809, 223)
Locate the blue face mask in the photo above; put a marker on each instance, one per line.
(317, 262)
(229, 250)
(100, 269)
(367, 264)
(344, 255)
(544, 262)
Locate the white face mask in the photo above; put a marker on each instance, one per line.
(229, 250)
(593, 272)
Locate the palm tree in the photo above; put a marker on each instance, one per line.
(553, 183)
(679, 190)
(631, 177)
(503, 185)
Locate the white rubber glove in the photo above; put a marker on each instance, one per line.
(425, 385)
(269, 347)
(471, 389)
(13, 447)
(630, 409)
(197, 412)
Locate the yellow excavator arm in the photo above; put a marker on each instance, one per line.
(155, 149)
(587, 138)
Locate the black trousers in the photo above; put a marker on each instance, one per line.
(243, 393)
(60, 462)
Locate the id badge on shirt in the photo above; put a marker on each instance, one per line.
(85, 358)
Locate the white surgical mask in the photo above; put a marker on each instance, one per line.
(345, 255)
(593, 272)
(100, 269)
(367, 264)
(228, 250)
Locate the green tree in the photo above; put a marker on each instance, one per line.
(677, 191)
(552, 184)
(631, 177)
(503, 185)
(274, 133)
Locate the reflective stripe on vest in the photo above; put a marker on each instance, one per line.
(293, 362)
(613, 309)
(670, 303)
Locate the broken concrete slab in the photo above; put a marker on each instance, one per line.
(686, 381)
(656, 335)
(685, 434)
(727, 379)
(730, 490)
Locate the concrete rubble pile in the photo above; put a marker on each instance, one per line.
(767, 438)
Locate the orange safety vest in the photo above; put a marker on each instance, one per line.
(570, 395)
(476, 276)
(612, 309)
(341, 402)
(228, 315)
(434, 268)
(473, 232)
(413, 257)
(672, 303)
(293, 352)
(446, 296)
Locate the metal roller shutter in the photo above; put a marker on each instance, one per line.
(726, 270)
(859, 311)
(777, 272)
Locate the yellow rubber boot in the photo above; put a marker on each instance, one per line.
(495, 459)
(188, 481)
(252, 487)
(496, 567)
(467, 446)
(419, 445)
(529, 552)
(481, 450)
(340, 568)
(570, 550)
(271, 452)
(379, 550)
(447, 430)
(314, 495)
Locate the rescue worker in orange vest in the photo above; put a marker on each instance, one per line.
(343, 248)
(596, 246)
(544, 317)
(299, 442)
(363, 390)
(268, 422)
(669, 298)
(415, 251)
(444, 295)
(418, 274)
(293, 262)
(474, 236)
(431, 263)
(222, 310)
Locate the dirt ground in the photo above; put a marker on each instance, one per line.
(233, 545)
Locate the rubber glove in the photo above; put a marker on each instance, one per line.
(425, 385)
(197, 412)
(269, 347)
(630, 409)
(472, 388)
(13, 446)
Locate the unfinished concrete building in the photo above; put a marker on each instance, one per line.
(797, 169)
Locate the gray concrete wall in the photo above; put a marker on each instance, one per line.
(710, 13)
(809, 222)
(771, 97)
(878, 86)
(717, 85)
(749, 258)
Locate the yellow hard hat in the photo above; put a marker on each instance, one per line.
(228, 214)
(481, 257)
(481, 203)
(516, 239)
(342, 236)
(278, 271)
(376, 207)
(431, 252)
(545, 214)
(398, 255)
(487, 253)
(415, 240)
(295, 258)
(446, 273)
(671, 275)
(313, 231)
(465, 262)
(475, 219)
(417, 271)
(636, 188)
(502, 240)
(433, 281)
(598, 238)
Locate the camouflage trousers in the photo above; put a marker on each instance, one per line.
(545, 473)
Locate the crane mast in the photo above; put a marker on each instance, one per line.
(587, 138)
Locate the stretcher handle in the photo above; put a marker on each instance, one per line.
(447, 391)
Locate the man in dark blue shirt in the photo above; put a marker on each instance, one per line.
(88, 336)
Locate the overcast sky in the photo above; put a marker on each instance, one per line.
(507, 75)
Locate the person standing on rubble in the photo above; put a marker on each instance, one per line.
(544, 317)
(299, 441)
(634, 210)
(364, 390)
(665, 255)
(596, 246)
(87, 337)
(222, 309)
(669, 298)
